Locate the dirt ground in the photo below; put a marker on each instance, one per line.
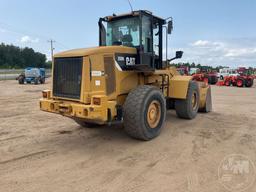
(47, 152)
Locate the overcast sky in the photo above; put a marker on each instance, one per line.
(210, 32)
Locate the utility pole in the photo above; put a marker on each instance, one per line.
(52, 48)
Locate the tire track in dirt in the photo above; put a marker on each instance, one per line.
(31, 155)
(11, 138)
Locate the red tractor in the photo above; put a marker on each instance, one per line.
(200, 77)
(239, 81)
(205, 75)
(212, 77)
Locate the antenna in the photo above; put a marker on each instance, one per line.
(130, 5)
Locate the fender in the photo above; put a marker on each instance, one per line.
(179, 87)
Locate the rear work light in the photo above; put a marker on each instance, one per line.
(46, 94)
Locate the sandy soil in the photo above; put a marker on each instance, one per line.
(47, 152)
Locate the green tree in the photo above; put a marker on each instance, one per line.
(15, 57)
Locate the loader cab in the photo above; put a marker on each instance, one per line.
(140, 30)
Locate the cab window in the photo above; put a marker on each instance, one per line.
(146, 34)
(124, 32)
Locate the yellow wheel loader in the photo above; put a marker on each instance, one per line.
(125, 79)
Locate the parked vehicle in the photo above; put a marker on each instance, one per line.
(193, 71)
(124, 80)
(210, 74)
(183, 70)
(204, 74)
(32, 75)
(239, 81)
(225, 72)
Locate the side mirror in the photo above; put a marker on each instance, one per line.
(179, 54)
(170, 26)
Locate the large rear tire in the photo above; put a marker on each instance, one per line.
(42, 80)
(188, 108)
(212, 80)
(249, 83)
(208, 102)
(144, 112)
(240, 82)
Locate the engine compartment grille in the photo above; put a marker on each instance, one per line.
(110, 71)
(67, 77)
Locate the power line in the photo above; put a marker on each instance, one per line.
(24, 33)
(62, 45)
(12, 29)
(130, 5)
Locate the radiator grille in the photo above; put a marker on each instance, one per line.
(110, 71)
(67, 77)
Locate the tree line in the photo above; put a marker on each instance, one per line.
(206, 67)
(193, 65)
(13, 57)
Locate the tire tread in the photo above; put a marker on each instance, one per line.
(133, 111)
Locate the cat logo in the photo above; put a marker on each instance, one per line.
(130, 61)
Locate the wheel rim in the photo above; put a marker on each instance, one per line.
(154, 114)
(194, 101)
(239, 83)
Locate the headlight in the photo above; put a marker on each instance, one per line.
(96, 101)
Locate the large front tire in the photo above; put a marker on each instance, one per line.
(144, 112)
(188, 108)
(36, 81)
(21, 80)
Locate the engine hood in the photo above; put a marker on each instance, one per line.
(96, 50)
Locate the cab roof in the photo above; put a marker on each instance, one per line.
(133, 14)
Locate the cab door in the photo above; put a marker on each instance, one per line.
(146, 51)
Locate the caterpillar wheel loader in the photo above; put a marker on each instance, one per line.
(125, 79)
